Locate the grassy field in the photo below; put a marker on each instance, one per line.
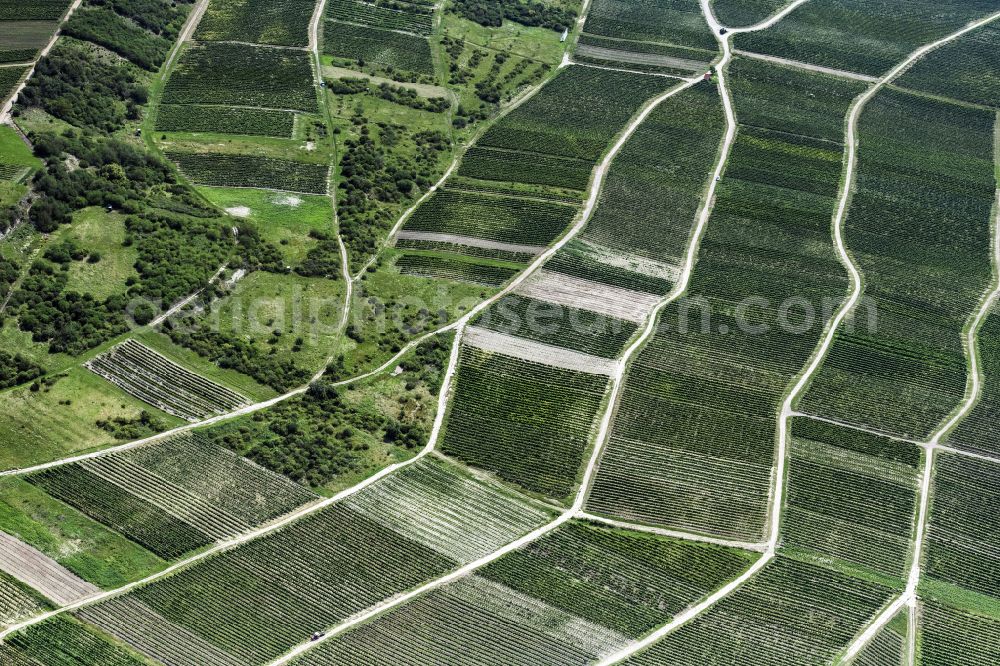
(294, 307)
(97, 231)
(38, 426)
(282, 219)
(14, 151)
(535, 43)
(80, 544)
(226, 144)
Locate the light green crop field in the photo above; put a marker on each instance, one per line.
(293, 306)
(39, 426)
(82, 545)
(282, 219)
(97, 231)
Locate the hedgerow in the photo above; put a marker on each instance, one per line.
(390, 93)
(155, 16)
(526, 12)
(314, 439)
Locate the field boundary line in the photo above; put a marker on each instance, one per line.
(673, 534)
(372, 27)
(854, 426)
(854, 273)
(194, 18)
(664, 75)
(235, 42)
(798, 64)
(470, 142)
(689, 613)
(970, 344)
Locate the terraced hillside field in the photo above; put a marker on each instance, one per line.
(499, 332)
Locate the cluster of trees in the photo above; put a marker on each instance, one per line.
(15, 370)
(408, 97)
(390, 324)
(381, 172)
(323, 434)
(9, 272)
(128, 429)
(156, 16)
(323, 259)
(428, 361)
(176, 253)
(74, 84)
(236, 353)
(492, 13)
(312, 439)
(70, 322)
(255, 253)
(83, 169)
